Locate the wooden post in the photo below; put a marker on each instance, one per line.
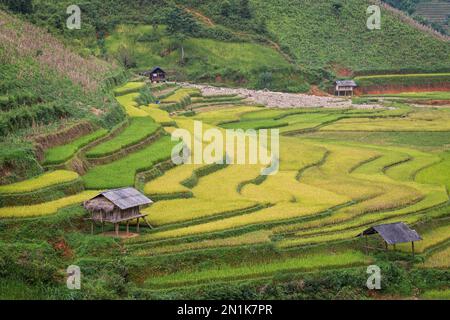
(128, 227)
(412, 247)
(117, 229)
(137, 228)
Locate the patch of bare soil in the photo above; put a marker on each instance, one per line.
(63, 248)
(342, 71)
(97, 112)
(315, 91)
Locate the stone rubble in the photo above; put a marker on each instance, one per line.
(281, 99)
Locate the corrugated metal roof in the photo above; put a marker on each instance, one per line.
(346, 83)
(126, 198)
(394, 233)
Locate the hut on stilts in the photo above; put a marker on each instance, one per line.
(116, 207)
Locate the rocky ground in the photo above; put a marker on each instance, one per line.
(281, 99)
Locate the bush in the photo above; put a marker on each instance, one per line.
(35, 263)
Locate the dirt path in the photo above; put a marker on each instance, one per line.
(200, 17)
(282, 99)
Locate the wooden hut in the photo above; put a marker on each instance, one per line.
(117, 206)
(344, 87)
(392, 234)
(155, 75)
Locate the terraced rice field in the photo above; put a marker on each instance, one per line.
(138, 130)
(47, 208)
(60, 154)
(340, 172)
(43, 181)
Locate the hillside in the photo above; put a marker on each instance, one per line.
(435, 13)
(75, 123)
(287, 44)
(45, 87)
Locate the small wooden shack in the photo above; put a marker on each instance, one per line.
(392, 234)
(117, 206)
(345, 87)
(155, 75)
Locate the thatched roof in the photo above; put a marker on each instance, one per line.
(394, 233)
(123, 198)
(99, 204)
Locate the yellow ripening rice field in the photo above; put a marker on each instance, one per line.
(183, 210)
(439, 259)
(160, 116)
(129, 87)
(128, 102)
(170, 182)
(419, 120)
(300, 263)
(217, 117)
(42, 181)
(250, 238)
(46, 208)
(431, 238)
(180, 95)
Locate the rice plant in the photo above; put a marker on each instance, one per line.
(43, 181)
(46, 208)
(138, 130)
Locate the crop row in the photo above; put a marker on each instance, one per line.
(138, 130)
(122, 172)
(60, 154)
(130, 87)
(42, 181)
(403, 79)
(46, 208)
(298, 264)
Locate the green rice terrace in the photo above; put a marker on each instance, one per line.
(223, 231)
(341, 171)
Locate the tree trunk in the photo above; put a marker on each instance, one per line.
(182, 54)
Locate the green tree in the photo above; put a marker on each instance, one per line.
(225, 8)
(244, 9)
(179, 26)
(19, 6)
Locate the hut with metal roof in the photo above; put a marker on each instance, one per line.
(393, 233)
(344, 87)
(156, 74)
(117, 206)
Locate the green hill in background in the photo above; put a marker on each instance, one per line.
(275, 44)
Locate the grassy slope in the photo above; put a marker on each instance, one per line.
(342, 37)
(45, 85)
(205, 58)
